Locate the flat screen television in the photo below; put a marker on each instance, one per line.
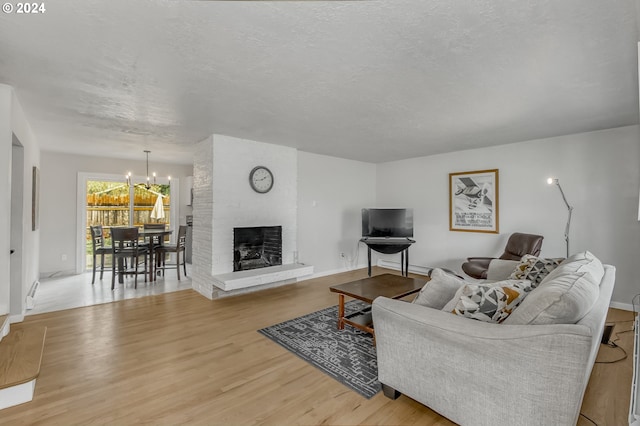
(387, 223)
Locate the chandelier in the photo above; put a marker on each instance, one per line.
(147, 185)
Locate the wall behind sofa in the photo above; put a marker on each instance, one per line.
(599, 172)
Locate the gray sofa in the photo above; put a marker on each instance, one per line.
(479, 373)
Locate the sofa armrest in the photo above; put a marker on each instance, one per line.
(477, 373)
(483, 260)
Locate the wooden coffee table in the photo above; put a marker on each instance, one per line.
(367, 289)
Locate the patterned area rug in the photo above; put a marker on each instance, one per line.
(346, 355)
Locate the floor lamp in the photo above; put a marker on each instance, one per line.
(552, 181)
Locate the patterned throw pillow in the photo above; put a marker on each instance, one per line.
(491, 302)
(534, 268)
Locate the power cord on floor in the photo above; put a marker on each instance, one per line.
(613, 345)
(589, 419)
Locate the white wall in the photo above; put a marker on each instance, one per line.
(223, 199)
(31, 239)
(13, 122)
(599, 172)
(331, 193)
(202, 257)
(322, 195)
(236, 204)
(58, 221)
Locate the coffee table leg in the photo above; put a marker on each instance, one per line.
(340, 311)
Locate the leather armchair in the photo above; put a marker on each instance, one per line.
(517, 246)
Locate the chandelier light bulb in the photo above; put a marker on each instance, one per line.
(147, 185)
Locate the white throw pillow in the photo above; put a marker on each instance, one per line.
(439, 290)
(564, 296)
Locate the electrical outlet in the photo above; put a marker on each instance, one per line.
(64, 257)
(342, 255)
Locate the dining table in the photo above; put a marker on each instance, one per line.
(148, 235)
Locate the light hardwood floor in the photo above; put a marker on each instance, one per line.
(179, 358)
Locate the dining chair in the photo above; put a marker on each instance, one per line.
(99, 248)
(177, 248)
(157, 241)
(124, 246)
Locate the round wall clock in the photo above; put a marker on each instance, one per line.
(261, 179)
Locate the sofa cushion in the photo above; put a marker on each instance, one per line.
(439, 290)
(489, 302)
(580, 262)
(565, 295)
(534, 268)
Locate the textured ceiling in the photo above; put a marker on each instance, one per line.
(367, 80)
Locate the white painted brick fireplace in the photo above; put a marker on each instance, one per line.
(223, 199)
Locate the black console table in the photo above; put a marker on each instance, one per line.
(390, 246)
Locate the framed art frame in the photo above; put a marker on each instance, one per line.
(473, 201)
(35, 199)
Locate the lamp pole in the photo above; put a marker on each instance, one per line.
(551, 181)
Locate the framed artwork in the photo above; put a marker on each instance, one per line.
(473, 201)
(35, 199)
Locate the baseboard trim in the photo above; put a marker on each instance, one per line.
(623, 306)
(416, 269)
(331, 272)
(59, 274)
(16, 318)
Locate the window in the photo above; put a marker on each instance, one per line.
(108, 200)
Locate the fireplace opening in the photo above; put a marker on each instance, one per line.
(257, 247)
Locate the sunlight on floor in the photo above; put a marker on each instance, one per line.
(56, 294)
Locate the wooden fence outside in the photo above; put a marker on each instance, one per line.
(139, 199)
(113, 210)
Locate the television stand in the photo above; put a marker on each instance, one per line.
(389, 246)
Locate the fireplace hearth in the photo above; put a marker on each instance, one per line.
(257, 247)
